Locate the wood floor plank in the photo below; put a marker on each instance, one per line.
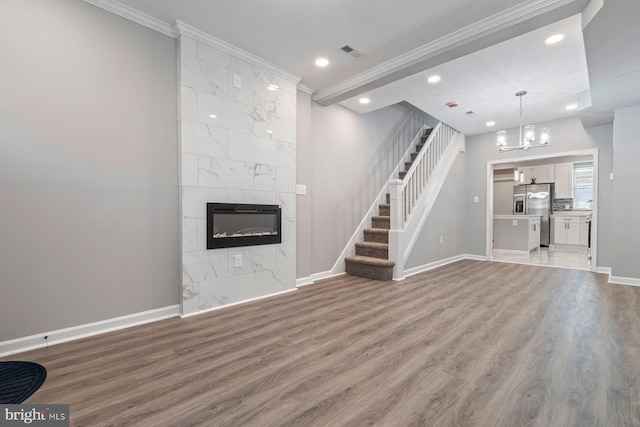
(468, 344)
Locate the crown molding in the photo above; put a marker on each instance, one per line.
(202, 37)
(306, 89)
(492, 23)
(135, 16)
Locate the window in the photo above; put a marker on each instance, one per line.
(582, 185)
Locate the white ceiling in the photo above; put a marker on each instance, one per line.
(292, 33)
(485, 82)
(485, 51)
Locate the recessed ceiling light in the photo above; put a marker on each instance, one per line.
(269, 131)
(491, 123)
(433, 79)
(554, 39)
(571, 107)
(364, 101)
(273, 88)
(322, 62)
(213, 116)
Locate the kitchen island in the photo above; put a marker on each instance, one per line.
(516, 233)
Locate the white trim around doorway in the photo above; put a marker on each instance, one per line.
(594, 219)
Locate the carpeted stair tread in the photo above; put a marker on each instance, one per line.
(384, 209)
(374, 245)
(382, 222)
(371, 268)
(379, 235)
(367, 260)
(377, 230)
(373, 249)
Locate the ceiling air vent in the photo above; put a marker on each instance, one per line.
(349, 50)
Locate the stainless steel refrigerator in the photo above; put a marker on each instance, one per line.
(535, 199)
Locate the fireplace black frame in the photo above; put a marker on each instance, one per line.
(250, 209)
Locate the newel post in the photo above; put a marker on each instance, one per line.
(395, 195)
(397, 226)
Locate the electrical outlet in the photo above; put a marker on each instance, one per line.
(301, 189)
(441, 239)
(237, 81)
(237, 260)
(515, 222)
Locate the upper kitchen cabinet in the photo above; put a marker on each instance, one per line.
(541, 173)
(564, 180)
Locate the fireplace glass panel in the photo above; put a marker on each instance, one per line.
(234, 225)
(244, 224)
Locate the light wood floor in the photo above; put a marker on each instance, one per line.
(469, 344)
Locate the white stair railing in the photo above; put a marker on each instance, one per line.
(407, 194)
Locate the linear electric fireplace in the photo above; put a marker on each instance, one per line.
(231, 225)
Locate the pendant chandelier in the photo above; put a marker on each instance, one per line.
(527, 135)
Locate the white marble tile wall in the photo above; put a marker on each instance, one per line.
(238, 146)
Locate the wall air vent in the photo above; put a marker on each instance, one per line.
(349, 50)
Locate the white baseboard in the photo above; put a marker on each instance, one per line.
(304, 281)
(233, 304)
(475, 257)
(629, 281)
(59, 336)
(326, 275)
(426, 267)
(618, 280)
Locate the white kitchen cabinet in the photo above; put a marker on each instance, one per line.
(566, 230)
(564, 180)
(544, 173)
(534, 233)
(541, 173)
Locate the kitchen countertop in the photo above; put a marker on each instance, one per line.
(571, 213)
(515, 216)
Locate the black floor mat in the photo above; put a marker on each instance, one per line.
(19, 380)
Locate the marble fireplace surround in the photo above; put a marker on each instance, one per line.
(245, 154)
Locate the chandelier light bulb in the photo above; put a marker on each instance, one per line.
(529, 134)
(502, 138)
(545, 136)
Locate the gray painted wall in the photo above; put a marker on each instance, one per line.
(447, 219)
(352, 157)
(625, 202)
(304, 163)
(568, 135)
(88, 167)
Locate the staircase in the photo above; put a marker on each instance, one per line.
(372, 256)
